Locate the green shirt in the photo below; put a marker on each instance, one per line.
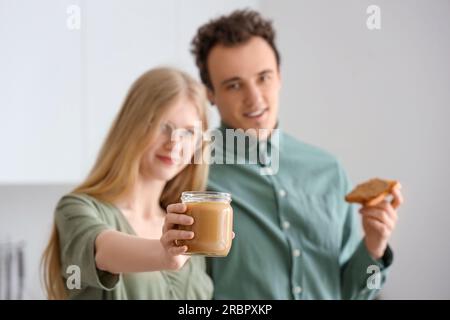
(79, 219)
(296, 237)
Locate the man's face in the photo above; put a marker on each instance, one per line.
(246, 83)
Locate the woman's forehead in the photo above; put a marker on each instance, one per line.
(182, 113)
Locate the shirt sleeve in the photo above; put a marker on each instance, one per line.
(361, 276)
(78, 226)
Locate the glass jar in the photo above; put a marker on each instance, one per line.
(213, 223)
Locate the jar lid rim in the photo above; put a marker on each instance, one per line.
(210, 195)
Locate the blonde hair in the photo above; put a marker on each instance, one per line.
(117, 166)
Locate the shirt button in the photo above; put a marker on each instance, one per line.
(286, 225)
(264, 158)
(297, 290)
(282, 193)
(296, 253)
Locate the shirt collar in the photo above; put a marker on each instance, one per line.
(275, 141)
(265, 147)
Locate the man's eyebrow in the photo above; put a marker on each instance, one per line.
(233, 79)
(227, 81)
(265, 72)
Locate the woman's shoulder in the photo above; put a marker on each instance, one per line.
(82, 204)
(77, 199)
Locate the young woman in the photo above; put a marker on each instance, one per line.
(113, 230)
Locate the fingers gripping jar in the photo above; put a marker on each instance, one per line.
(213, 223)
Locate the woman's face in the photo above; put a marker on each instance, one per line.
(174, 145)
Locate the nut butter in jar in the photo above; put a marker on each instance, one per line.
(213, 223)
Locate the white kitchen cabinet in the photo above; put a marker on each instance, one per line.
(60, 87)
(40, 104)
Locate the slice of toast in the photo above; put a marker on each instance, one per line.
(371, 192)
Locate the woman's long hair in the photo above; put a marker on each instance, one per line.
(117, 166)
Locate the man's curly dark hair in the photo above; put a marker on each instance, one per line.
(230, 30)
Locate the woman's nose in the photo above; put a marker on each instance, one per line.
(171, 143)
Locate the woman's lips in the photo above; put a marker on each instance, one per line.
(166, 160)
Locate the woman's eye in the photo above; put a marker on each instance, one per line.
(165, 128)
(188, 133)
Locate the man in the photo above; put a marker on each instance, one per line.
(296, 237)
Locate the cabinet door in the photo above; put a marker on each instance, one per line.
(40, 74)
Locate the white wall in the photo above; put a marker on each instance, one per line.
(376, 99)
(40, 74)
(379, 100)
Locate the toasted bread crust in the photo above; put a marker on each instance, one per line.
(371, 192)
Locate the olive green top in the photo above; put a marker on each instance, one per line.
(79, 219)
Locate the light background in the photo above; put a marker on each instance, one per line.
(377, 99)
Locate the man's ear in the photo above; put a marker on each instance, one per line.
(210, 95)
